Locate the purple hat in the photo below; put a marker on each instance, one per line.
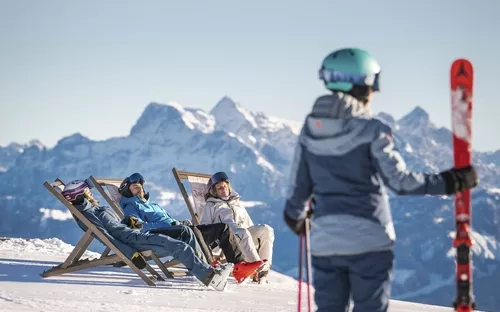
(74, 189)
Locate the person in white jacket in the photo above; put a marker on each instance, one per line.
(222, 205)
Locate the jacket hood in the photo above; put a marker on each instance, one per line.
(331, 117)
(340, 105)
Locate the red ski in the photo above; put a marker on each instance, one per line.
(461, 79)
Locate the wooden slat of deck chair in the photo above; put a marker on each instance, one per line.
(108, 188)
(73, 262)
(198, 183)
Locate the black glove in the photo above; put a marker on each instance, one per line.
(459, 179)
(297, 226)
(132, 222)
(138, 260)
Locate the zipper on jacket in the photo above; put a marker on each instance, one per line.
(234, 213)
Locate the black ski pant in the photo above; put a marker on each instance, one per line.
(220, 234)
(217, 234)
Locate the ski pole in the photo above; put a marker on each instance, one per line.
(308, 263)
(299, 300)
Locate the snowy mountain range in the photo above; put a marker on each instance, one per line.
(256, 151)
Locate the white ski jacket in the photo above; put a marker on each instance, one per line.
(231, 212)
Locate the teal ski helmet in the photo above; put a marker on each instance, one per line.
(344, 69)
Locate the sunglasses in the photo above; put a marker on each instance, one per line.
(135, 178)
(218, 177)
(356, 79)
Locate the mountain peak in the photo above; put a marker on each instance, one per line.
(171, 107)
(158, 117)
(76, 138)
(418, 117)
(417, 112)
(14, 147)
(225, 103)
(35, 143)
(19, 148)
(231, 116)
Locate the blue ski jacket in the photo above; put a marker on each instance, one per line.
(151, 214)
(344, 160)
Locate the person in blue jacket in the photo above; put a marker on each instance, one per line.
(140, 210)
(131, 241)
(344, 162)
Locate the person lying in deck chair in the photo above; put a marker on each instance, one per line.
(141, 210)
(223, 206)
(131, 241)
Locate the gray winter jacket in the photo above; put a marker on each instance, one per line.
(344, 160)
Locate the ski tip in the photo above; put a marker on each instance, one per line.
(462, 60)
(461, 64)
(461, 71)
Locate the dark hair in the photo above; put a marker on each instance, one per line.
(361, 93)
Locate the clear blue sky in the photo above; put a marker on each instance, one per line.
(93, 66)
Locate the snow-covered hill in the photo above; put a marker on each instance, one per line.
(119, 289)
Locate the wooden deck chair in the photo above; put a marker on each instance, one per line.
(108, 188)
(198, 185)
(74, 263)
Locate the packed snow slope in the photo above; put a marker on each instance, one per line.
(119, 289)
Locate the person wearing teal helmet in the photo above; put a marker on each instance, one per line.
(344, 162)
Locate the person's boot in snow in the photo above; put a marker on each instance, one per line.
(243, 269)
(217, 279)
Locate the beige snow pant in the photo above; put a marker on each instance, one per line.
(256, 242)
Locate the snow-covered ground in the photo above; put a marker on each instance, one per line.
(119, 289)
